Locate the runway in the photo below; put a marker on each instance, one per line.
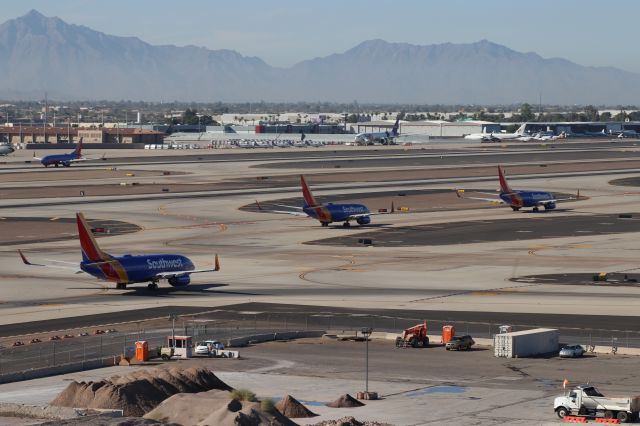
(445, 255)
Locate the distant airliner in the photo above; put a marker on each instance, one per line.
(518, 199)
(128, 269)
(496, 136)
(6, 149)
(64, 159)
(329, 212)
(380, 137)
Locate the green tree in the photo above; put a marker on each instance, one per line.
(605, 116)
(526, 113)
(591, 113)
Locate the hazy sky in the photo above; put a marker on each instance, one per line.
(283, 32)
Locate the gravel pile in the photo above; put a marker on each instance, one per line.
(292, 408)
(345, 401)
(138, 392)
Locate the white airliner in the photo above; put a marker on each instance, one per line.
(383, 138)
(497, 136)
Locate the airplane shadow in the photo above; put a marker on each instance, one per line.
(359, 227)
(167, 290)
(542, 211)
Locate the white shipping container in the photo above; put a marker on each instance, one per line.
(526, 343)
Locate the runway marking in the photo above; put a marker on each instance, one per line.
(54, 218)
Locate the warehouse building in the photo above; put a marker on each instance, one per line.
(65, 135)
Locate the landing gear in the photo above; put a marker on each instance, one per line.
(515, 208)
(152, 286)
(121, 286)
(536, 209)
(56, 165)
(346, 225)
(325, 224)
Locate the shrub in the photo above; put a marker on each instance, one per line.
(243, 395)
(267, 405)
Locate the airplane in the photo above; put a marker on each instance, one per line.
(517, 199)
(127, 269)
(326, 213)
(6, 149)
(64, 159)
(384, 138)
(496, 136)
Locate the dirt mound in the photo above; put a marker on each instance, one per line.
(138, 392)
(349, 421)
(106, 421)
(292, 408)
(345, 401)
(214, 408)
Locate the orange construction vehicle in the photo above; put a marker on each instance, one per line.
(415, 336)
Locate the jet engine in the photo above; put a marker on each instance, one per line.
(364, 220)
(550, 206)
(180, 281)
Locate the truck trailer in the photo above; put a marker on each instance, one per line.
(587, 401)
(526, 343)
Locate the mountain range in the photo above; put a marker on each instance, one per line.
(70, 62)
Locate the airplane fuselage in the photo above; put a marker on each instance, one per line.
(57, 159)
(328, 213)
(130, 269)
(529, 199)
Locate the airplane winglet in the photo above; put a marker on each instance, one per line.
(24, 259)
(258, 204)
(216, 263)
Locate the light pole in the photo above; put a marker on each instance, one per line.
(173, 318)
(366, 332)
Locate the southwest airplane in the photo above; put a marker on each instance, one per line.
(6, 149)
(518, 199)
(64, 159)
(329, 212)
(382, 137)
(129, 269)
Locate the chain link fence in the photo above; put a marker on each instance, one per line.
(226, 325)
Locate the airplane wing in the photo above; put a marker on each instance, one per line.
(460, 194)
(172, 274)
(301, 214)
(298, 213)
(75, 270)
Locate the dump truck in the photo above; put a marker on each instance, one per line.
(415, 336)
(587, 401)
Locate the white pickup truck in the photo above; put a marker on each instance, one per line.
(588, 402)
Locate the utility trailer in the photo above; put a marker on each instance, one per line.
(526, 343)
(587, 401)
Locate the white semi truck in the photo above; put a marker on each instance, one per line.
(588, 402)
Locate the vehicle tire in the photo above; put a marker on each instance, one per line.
(414, 343)
(425, 342)
(623, 417)
(562, 412)
(165, 358)
(608, 414)
(398, 342)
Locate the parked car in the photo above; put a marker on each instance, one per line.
(571, 351)
(459, 342)
(205, 347)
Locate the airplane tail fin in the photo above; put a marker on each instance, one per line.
(216, 263)
(396, 127)
(306, 193)
(520, 130)
(78, 150)
(88, 245)
(504, 186)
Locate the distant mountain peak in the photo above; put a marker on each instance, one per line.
(40, 53)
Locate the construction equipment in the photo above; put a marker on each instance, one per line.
(415, 337)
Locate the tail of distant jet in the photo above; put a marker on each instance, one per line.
(306, 193)
(520, 130)
(504, 186)
(78, 150)
(396, 127)
(88, 245)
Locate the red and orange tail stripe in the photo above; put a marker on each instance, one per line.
(306, 193)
